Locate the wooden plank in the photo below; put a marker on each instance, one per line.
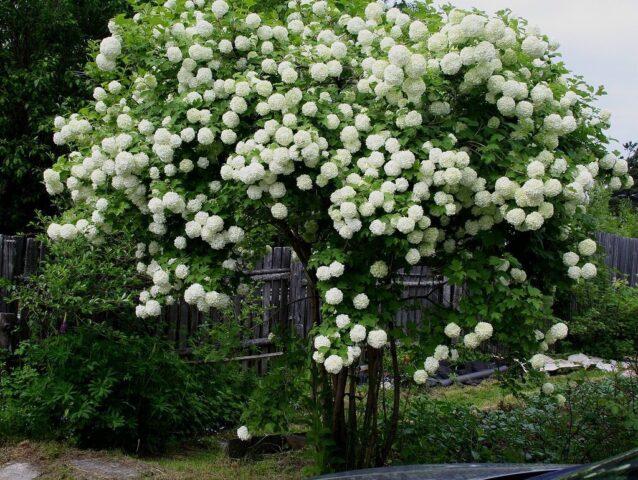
(298, 299)
(2, 291)
(43, 253)
(260, 356)
(9, 255)
(19, 256)
(257, 342)
(267, 271)
(31, 257)
(7, 323)
(2, 237)
(284, 305)
(634, 264)
(246, 360)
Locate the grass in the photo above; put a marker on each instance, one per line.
(211, 463)
(489, 394)
(206, 461)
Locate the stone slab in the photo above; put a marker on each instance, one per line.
(19, 471)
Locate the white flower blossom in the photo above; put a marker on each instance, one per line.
(420, 377)
(358, 333)
(333, 364)
(376, 338)
(243, 434)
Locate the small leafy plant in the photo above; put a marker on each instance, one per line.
(590, 421)
(98, 387)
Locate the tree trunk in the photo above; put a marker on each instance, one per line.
(339, 430)
(369, 432)
(353, 448)
(394, 420)
(351, 452)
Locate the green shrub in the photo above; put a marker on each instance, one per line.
(110, 380)
(613, 215)
(598, 420)
(101, 388)
(604, 318)
(80, 282)
(603, 315)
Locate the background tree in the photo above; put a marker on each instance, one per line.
(44, 48)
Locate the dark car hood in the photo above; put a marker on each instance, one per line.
(458, 471)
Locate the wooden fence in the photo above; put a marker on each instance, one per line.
(285, 304)
(20, 257)
(622, 256)
(282, 288)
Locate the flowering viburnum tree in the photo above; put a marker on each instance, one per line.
(370, 140)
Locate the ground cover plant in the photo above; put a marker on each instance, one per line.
(592, 420)
(89, 373)
(367, 138)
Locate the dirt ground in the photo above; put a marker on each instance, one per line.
(54, 461)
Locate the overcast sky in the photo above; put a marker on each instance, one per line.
(599, 40)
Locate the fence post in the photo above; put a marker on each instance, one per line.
(7, 323)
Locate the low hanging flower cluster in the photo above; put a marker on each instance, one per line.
(419, 136)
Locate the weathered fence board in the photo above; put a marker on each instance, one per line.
(19, 257)
(622, 256)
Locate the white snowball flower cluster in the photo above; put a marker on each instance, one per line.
(585, 270)
(243, 434)
(379, 269)
(482, 331)
(452, 330)
(110, 49)
(420, 377)
(333, 364)
(538, 361)
(334, 296)
(587, 247)
(377, 338)
(431, 365)
(334, 270)
(557, 332)
(361, 301)
(358, 333)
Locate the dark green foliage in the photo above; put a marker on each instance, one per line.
(80, 282)
(279, 400)
(43, 51)
(603, 315)
(603, 318)
(101, 388)
(613, 215)
(599, 419)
